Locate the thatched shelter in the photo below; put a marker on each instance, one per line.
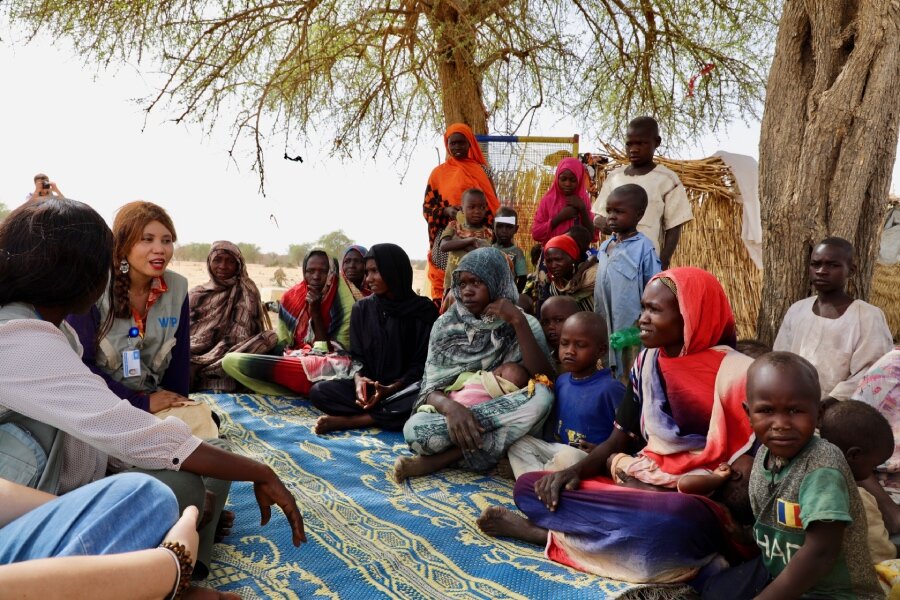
(712, 240)
(885, 292)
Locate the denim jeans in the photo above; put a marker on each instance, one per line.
(190, 490)
(122, 513)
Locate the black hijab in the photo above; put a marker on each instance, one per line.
(393, 264)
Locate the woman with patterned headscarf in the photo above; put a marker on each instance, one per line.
(465, 168)
(568, 273)
(480, 331)
(227, 315)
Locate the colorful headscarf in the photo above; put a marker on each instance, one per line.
(693, 413)
(361, 292)
(554, 201)
(567, 244)
(708, 320)
(294, 318)
(576, 167)
(455, 176)
(224, 312)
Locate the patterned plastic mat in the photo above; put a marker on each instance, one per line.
(369, 537)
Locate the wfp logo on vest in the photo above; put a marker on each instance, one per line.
(168, 321)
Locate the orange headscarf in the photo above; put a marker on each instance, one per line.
(455, 176)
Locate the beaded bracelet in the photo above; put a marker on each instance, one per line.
(183, 556)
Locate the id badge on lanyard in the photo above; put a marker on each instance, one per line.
(131, 358)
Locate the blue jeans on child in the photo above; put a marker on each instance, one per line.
(122, 513)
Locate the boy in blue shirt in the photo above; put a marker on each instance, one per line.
(587, 397)
(628, 261)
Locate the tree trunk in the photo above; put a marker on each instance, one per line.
(828, 141)
(459, 75)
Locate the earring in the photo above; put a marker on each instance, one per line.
(124, 267)
(599, 364)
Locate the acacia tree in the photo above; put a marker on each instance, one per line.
(829, 140)
(376, 74)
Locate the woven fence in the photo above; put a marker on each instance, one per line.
(523, 169)
(885, 294)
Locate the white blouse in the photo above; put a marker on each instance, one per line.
(42, 377)
(841, 349)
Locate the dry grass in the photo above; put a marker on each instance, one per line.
(885, 295)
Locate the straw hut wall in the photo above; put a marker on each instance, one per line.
(712, 240)
(885, 294)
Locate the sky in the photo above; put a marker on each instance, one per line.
(85, 127)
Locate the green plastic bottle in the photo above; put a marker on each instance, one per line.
(625, 337)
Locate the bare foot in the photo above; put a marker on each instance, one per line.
(497, 521)
(223, 527)
(327, 423)
(201, 593)
(629, 481)
(416, 466)
(406, 467)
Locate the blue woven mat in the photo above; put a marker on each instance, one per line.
(369, 537)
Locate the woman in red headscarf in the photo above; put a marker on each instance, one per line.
(562, 255)
(566, 203)
(684, 406)
(465, 168)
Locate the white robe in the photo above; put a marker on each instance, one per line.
(842, 349)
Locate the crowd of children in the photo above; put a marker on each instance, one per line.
(654, 393)
(810, 518)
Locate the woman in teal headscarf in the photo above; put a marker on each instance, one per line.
(482, 330)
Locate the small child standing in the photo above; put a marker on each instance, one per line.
(867, 440)
(668, 207)
(840, 336)
(468, 232)
(587, 397)
(627, 262)
(566, 203)
(505, 228)
(810, 521)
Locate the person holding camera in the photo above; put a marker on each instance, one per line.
(43, 188)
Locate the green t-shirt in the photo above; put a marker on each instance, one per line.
(816, 485)
(519, 264)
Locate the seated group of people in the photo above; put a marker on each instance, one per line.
(671, 456)
(662, 480)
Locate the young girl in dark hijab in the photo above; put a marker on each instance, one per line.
(389, 337)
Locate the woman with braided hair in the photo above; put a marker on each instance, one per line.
(150, 314)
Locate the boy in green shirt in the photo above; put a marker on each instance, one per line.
(810, 522)
(506, 225)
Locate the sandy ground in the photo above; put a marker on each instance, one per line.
(263, 277)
